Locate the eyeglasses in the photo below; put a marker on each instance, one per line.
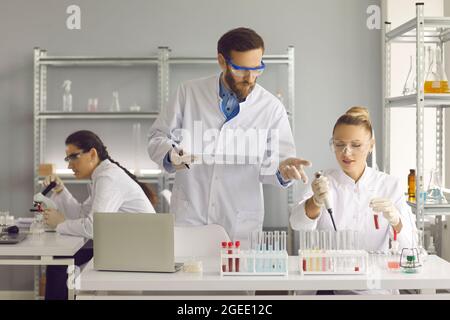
(243, 71)
(73, 156)
(354, 147)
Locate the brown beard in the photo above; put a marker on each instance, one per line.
(233, 86)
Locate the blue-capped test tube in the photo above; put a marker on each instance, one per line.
(259, 252)
(276, 249)
(269, 260)
(283, 249)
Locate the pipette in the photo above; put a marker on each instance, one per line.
(318, 174)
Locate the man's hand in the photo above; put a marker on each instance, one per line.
(292, 169)
(179, 159)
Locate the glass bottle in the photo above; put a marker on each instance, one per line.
(412, 185)
(434, 191)
(67, 96)
(115, 106)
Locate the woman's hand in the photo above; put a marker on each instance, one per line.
(53, 217)
(59, 184)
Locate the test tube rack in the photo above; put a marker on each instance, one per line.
(333, 262)
(254, 263)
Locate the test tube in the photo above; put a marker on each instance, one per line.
(276, 245)
(268, 257)
(224, 260)
(230, 260)
(237, 246)
(259, 251)
(302, 247)
(283, 249)
(375, 220)
(253, 249)
(323, 248)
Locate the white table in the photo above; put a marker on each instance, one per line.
(43, 250)
(93, 284)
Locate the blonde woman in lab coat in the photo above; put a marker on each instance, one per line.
(355, 191)
(113, 189)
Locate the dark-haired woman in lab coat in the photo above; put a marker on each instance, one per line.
(112, 189)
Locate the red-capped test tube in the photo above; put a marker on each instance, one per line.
(230, 260)
(224, 260)
(237, 246)
(375, 220)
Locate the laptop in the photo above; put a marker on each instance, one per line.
(134, 242)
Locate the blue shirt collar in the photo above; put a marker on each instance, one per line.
(223, 90)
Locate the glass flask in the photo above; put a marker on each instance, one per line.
(410, 82)
(435, 79)
(434, 191)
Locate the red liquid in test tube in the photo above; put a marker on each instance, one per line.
(237, 260)
(375, 220)
(224, 262)
(230, 260)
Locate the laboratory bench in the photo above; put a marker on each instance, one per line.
(48, 248)
(92, 284)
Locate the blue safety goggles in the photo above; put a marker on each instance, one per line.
(243, 71)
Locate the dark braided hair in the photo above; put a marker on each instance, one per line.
(86, 140)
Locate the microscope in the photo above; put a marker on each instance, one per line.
(41, 201)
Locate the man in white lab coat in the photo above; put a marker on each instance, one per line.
(224, 136)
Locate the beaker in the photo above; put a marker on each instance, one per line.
(434, 191)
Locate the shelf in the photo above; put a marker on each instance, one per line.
(97, 61)
(431, 100)
(437, 29)
(50, 115)
(433, 209)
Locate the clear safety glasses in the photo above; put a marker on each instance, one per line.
(243, 71)
(353, 147)
(73, 156)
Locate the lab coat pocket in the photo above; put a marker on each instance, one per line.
(246, 222)
(179, 204)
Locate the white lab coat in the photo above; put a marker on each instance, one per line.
(111, 190)
(224, 194)
(350, 204)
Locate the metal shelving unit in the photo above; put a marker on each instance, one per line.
(419, 30)
(163, 61)
(41, 64)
